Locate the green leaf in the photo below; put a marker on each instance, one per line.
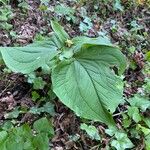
(20, 138)
(87, 85)
(126, 121)
(45, 1)
(43, 126)
(47, 108)
(102, 45)
(3, 138)
(64, 10)
(147, 121)
(35, 96)
(41, 142)
(111, 131)
(122, 142)
(38, 83)
(27, 59)
(86, 24)
(140, 102)
(134, 113)
(59, 31)
(83, 40)
(1, 59)
(145, 130)
(91, 131)
(147, 142)
(148, 56)
(69, 85)
(14, 114)
(118, 6)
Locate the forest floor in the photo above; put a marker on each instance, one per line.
(26, 99)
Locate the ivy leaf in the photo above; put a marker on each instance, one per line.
(118, 6)
(19, 138)
(111, 131)
(41, 142)
(38, 83)
(87, 85)
(47, 108)
(27, 59)
(43, 126)
(14, 114)
(134, 113)
(122, 142)
(126, 121)
(145, 130)
(59, 31)
(91, 131)
(139, 102)
(86, 24)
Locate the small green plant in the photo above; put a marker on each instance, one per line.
(6, 15)
(66, 12)
(81, 71)
(91, 131)
(24, 138)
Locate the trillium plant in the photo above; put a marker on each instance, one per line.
(81, 71)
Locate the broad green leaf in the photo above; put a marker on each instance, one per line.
(102, 44)
(95, 61)
(43, 126)
(75, 88)
(27, 59)
(83, 40)
(122, 142)
(102, 54)
(46, 42)
(91, 131)
(87, 85)
(59, 31)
